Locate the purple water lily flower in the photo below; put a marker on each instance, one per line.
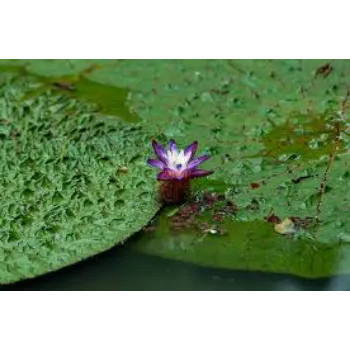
(178, 164)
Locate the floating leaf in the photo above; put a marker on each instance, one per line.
(56, 191)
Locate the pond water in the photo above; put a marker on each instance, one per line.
(122, 268)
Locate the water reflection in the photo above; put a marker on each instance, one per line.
(123, 269)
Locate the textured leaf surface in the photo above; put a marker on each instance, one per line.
(278, 132)
(69, 181)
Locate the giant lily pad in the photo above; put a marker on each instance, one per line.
(69, 180)
(279, 135)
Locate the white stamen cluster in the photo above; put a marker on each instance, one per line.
(177, 160)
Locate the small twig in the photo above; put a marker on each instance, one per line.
(343, 103)
(322, 188)
(301, 178)
(302, 92)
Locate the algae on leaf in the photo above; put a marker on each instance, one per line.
(69, 181)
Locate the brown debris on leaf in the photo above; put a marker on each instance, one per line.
(324, 70)
(254, 185)
(64, 85)
(189, 215)
(303, 223)
(274, 219)
(285, 227)
(291, 224)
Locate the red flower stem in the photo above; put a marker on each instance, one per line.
(175, 191)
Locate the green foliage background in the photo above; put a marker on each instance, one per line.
(69, 127)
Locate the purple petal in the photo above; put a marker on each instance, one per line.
(191, 150)
(195, 162)
(170, 175)
(164, 176)
(156, 163)
(160, 151)
(200, 173)
(173, 146)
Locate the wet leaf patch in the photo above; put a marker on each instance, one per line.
(65, 195)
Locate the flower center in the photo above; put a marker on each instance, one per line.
(177, 160)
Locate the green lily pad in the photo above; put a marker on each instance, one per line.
(69, 179)
(246, 245)
(246, 238)
(278, 133)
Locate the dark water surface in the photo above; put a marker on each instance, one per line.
(124, 269)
